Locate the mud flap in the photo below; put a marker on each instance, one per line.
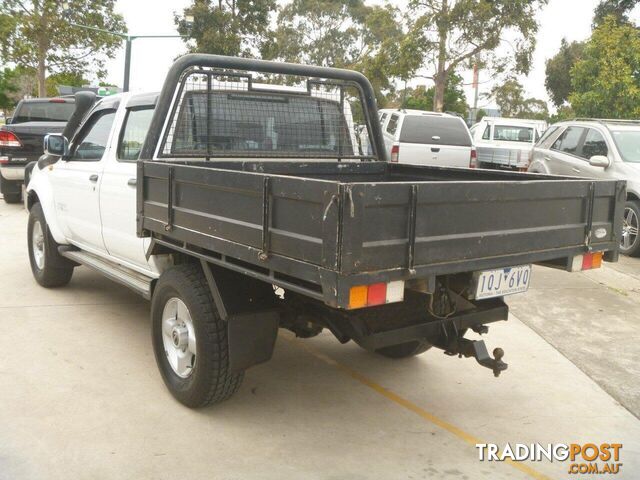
(252, 313)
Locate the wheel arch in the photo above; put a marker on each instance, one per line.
(39, 191)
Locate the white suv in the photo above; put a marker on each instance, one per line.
(427, 138)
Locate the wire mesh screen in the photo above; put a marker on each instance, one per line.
(224, 114)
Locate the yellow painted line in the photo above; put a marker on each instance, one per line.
(409, 405)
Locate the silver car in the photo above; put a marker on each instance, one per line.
(597, 149)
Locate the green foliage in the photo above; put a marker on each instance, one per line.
(446, 35)
(480, 114)
(606, 80)
(618, 8)
(37, 34)
(340, 34)
(7, 87)
(558, 80)
(71, 79)
(512, 103)
(565, 112)
(421, 98)
(227, 27)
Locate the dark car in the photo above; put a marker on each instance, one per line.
(21, 139)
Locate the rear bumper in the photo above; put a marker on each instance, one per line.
(12, 173)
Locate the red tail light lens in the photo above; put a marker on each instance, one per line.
(395, 153)
(377, 294)
(473, 159)
(9, 139)
(57, 100)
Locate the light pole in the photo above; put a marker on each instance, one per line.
(128, 42)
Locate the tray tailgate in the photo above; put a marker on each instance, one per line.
(476, 220)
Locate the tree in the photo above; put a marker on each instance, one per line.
(510, 98)
(226, 27)
(618, 8)
(606, 80)
(421, 98)
(447, 34)
(7, 87)
(71, 79)
(347, 34)
(558, 80)
(38, 35)
(481, 114)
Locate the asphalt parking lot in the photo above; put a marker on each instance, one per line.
(81, 398)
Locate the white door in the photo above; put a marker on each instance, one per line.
(118, 191)
(77, 183)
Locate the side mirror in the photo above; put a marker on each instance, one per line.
(599, 161)
(7, 120)
(56, 144)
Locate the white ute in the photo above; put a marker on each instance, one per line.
(88, 199)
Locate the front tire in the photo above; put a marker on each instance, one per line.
(49, 268)
(190, 339)
(630, 240)
(404, 350)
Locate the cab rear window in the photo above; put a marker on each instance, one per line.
(43, 112)
(435, 130)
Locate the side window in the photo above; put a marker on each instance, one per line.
(92, 142)
(594, 144)
(568, 142)
(545, 140)
(383, 117)
(393, 124)
(133, 133)
(486, 135)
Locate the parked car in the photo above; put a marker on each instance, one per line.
(21, 139)
(205, 197)
(594, 148)
(416, 137)
(506, 143)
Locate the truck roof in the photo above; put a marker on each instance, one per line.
(514, 121)
(411, 111)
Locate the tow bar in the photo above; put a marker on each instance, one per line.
(464, 347)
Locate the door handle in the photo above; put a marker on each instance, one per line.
(93, 178)
(132, 182)
(435, 150)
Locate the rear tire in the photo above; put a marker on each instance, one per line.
(404, 350)
(630, 240)
(12, 197)
(11, 190)
(49, 268)
(185, 322)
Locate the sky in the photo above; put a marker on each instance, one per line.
(151, 58)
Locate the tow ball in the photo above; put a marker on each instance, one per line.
(464, 347)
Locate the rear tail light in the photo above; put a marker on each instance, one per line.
(395, 153)
(9, 139)
(588, 261)
(473, 159)
(4, 159)
(57, 100)
(376, 294)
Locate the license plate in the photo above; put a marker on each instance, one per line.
(502, 281)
